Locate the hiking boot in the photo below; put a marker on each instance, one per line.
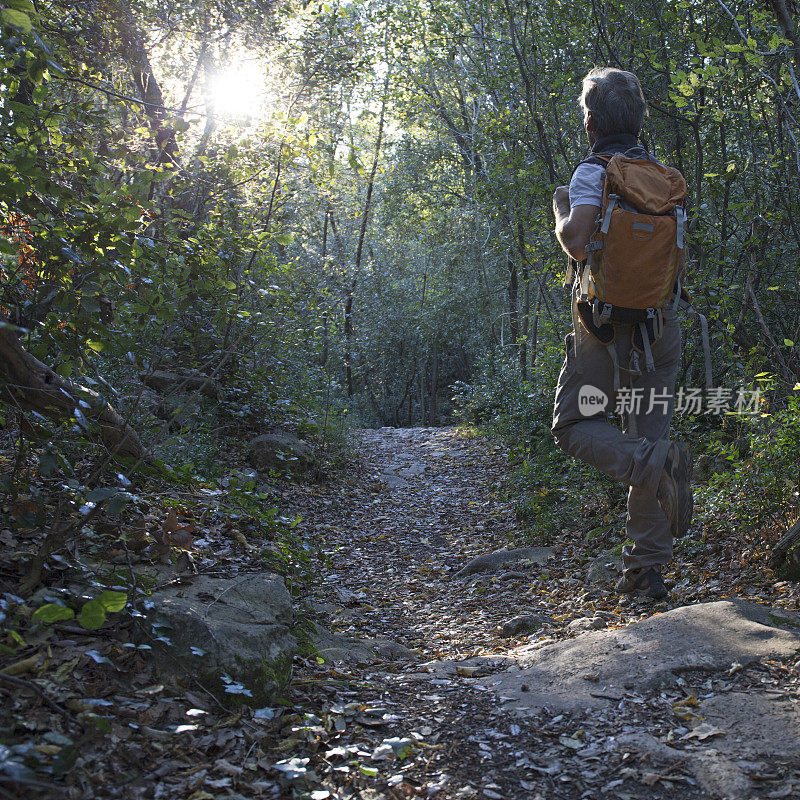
(646, 581)
(674, 489)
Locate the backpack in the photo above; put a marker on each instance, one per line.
(636, 255)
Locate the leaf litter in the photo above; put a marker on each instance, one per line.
(382, 560)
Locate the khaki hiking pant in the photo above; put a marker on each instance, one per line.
(634, 455)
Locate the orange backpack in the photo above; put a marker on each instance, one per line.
(635, 258)
(636, 255)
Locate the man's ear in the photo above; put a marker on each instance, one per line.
(591, 133)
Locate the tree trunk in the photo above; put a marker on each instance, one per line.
(31, 385)
(348, 304)
(790, 540)
(535, 335)
(434, 413)
(421, 395)
(784, 17)
(135, 53)
(513, 300)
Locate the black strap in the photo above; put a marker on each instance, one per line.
(597, 160)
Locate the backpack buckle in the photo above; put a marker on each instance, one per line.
(605, 314)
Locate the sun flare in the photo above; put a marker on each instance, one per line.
(239, 90)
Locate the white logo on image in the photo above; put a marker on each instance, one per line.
(591, 400)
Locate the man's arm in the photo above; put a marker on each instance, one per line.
(574, 225)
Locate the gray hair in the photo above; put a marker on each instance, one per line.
(615, 100)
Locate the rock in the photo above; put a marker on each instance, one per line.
(718, 776)
(468, 668)
(239, 627)
(760, 726)
(645, 743)
(491, 562)
(412, 471)
(586, 624)
(181, 382)
(605, 569)
(393, 481)
(282, 452)
(643, 656)
(524, 623)
(338, 648)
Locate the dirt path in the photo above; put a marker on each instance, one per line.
(447, 707)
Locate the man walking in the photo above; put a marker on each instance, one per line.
(599, 348)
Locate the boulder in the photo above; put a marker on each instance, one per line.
(282, 452)
(605, 569)
(181, 382)
(491, 562)
(524, 623)
(583, 624)
(339, 648)
(646, 655)
(227, 629)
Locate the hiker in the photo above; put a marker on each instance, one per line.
(623, 352)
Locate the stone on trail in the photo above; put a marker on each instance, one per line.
(239, 627)
(587, 624)
(392, 479)
(605, 569)
(491, 562)
(643, 656)
(283, 452)
(412, 471)
(340, 648)
(525, 623)
(716, 775)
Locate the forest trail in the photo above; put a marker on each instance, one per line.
(568, 701)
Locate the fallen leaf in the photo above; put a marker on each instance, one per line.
(704, 731)
(21, 667)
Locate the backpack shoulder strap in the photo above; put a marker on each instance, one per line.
(598, 159)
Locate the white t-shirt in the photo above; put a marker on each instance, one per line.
(586, 186)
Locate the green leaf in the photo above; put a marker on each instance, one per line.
(113, 601)
(117, 503)
(101, 493)
(47, 463)
(284, 238)
(98, 347)
(52, 612)
(9, 248)
(92, 615)
(17, 19)
(788, 342)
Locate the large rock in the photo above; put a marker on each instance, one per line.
(525, 623)
(236, 627)
(491, 562)
(601, 667)
(283, 452)
(605, 569)
(340, 648)
(181, 382)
